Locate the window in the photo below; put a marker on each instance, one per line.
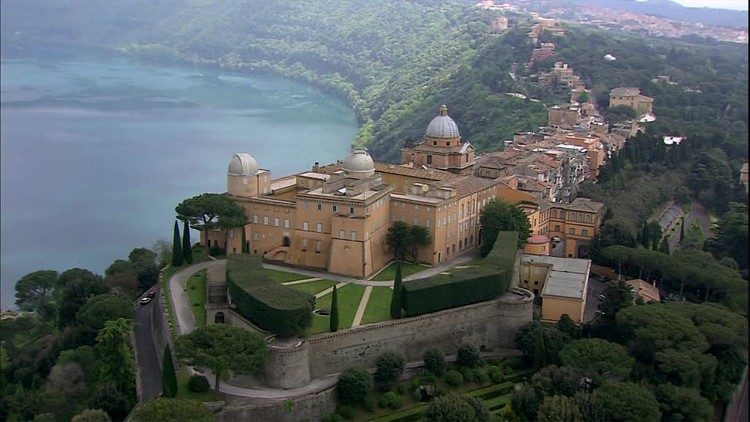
(305, 225)
(231, 234)
(354, 235)
(320, 207)
(351, 210)
(256, 236)
(427, 223)
(415, 221)
(317, 246)
(319, 227)
(584, 232)
(572, 230)
(429, 159)
(342, 234)
(335, 208)
(265, 220)
(304, 244)
(557, 227)
(434, 143)
(276, 222)
(255, 218)
(286, 223)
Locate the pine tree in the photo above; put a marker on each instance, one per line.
(664, 246)
(245, 246)
(607, 215)
(682, 229)
(168, 376)
(334, 319)
(176, 247)
(187, 251)
(396, 298)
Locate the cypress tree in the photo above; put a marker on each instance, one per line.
(245, 248)
(176, 247)
(396, 298)
(664, 246)
(187, 251)
(540, 357)
(334, 319)
(682, 229)
(168, 376)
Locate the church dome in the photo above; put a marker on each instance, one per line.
(442, 126)
(359, 164)
(242, 164)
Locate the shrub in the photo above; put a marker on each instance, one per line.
(470, 285)
(91, 415)
(389, 366)
(428, 378)
(400, 389)
(496, 374)
(272, 306)
(480, 375)
(109, 399)
(467, 356)
(369, 404)
(216, 250)
(347, 412)
(390, 400)
(333, 417)
(516, 362)
(454, 378)
(198, 384)
(467, 374)
(439, 391)
(353, 386)
(434, 361)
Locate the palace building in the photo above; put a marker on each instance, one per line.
(335, 217)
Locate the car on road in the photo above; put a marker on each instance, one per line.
(151, 293)
(600, 297)
(145, 300)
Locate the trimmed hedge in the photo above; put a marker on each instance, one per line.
(270, 305)
(485, 282)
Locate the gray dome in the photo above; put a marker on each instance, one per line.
(359, 164)
(242, 164)
(442, 126)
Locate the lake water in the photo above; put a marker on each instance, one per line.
(97, 153)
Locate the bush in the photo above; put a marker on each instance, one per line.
(439, 391)
(480, 376)
(515, 362)
(390, 366)
(353, 386)
(496, 374)
(198, 384)
(400, 389)
(467, 356)
(454, 378)
(470, 285)
(434, 361)
(272, 306)
(428, 378)
(109, 399)
(390, 400)
(346, 412)
(369, 404)
(333, 417)
(467, 374)
(216, 250)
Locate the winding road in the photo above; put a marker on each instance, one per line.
(146, 355)
(697, 212)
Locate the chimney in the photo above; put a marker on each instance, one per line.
(316, 166)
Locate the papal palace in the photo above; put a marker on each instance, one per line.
(335, 217)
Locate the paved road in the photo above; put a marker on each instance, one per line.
(147, 357)
(596, 288)
(697, 212)
(178, 291)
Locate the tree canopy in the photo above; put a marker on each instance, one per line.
(499, 216)
(210, 210)
(600, 358)
(173, 410)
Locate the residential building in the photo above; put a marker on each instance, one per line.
(631, 97)
(561, 283)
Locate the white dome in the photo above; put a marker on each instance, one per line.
(242, 164)
(442, 126)
(359, 164)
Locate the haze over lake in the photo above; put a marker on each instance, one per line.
(97, 153)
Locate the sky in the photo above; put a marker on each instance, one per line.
(718, 4)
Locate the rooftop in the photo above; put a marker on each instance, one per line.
(625, 91)
(567, 277)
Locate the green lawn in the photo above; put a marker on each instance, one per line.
(184, 393)
(348, 297)
(283, 276)
(407, 269)
(379, 306)
(313, 287)
(196, 290)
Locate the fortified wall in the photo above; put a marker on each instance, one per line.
(489, 325)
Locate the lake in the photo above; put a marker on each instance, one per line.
(96, 153)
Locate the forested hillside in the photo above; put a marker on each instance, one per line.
(396, 62)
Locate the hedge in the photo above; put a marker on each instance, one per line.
(484, 282)
(270, 305)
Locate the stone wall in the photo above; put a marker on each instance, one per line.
(160, 324)
(313, 407)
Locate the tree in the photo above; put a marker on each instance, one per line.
(591, 406)
(333, 323)
(617, 296)
(34, 291)
(553, 341)
(187, 250)
(397, 295)
(450, 408)
(119, 266)
(223, 349)
(566, 326)
(553, 379)
(144, 262)
(101, 308)
(245, 246)
(499, 216)
(176, 247)
(467, 356)
(540, 356)
(125, 283)
(434, 361)
(173, 410)
(559, 409)
(397, 239)
(418, 236)
(353, 386)
(78, 286)
(113, 401)
(168, 376)
(600, 358)
(664, 246)
(619, 113)
(525, 402)
(624, 401)
(209, 210)
(163, 251)
(115, 356)
(389, 367)
(681, 404)
(92, 415)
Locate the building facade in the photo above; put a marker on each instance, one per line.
(631, 97)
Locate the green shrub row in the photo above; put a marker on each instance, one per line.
(270, 305)
(471, 285)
